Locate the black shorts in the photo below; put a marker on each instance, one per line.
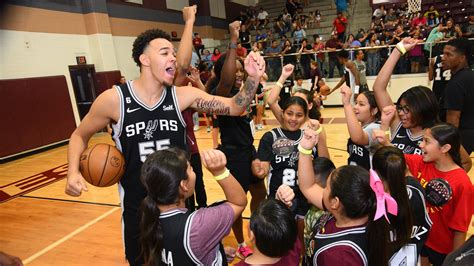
(239, 163)
(435, 257)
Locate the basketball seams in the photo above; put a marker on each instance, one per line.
(105, 168)
(89, 165)
(105, 165)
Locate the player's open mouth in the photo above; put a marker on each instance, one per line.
(170, 71)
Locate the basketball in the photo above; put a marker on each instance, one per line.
(102, 165)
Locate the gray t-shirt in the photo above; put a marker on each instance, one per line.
(361, 68)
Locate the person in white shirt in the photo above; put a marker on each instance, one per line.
(262, 18)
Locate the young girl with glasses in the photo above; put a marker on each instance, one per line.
(416, 109)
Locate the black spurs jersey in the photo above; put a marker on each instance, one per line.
(403, 140)
(284, 168)
(176, 241)
(421, 225)
(440, 80)
(141, 130)
(359, 154)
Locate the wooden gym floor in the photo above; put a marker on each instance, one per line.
(44, 226)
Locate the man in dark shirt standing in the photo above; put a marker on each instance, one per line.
(332, 45)
(459, 95)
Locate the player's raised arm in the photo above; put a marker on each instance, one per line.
(203, 102)
(185, 48)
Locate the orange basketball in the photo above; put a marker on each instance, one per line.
(102, 165)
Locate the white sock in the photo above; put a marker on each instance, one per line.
(242, 244)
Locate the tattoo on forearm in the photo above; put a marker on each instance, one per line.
(212, 106)
(245, 96)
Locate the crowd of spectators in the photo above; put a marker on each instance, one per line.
(285, 35)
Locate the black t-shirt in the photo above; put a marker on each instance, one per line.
(289, 59)
(245, 39)
(459, 96)
(236, 130)
(307, 57)
(440, 80)
(285, 92)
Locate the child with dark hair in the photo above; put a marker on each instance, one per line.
(410, 227)
(441, 159)
(362, 119)
(273, 234)
(171, 234)
(448, 187)
(416, 109)
(306, 96)
(279, 158)
(354, 232)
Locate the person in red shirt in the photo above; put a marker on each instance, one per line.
(419, 20)
(197, 43)
(441, 159)
(340, 24)
(241, 51)
(215, 55)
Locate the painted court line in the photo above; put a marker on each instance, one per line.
(75, 232)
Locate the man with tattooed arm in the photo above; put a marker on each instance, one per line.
(146, 116)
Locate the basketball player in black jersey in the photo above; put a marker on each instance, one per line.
(459, 99)
(146, 117)
(440, 78)
(351, 75)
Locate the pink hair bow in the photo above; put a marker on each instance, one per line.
(382, 198)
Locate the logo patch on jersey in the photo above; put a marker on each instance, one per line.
(150, 128)
(283, 146)
(132, 110)
(438, 192)
(168, 108)
(398, 136)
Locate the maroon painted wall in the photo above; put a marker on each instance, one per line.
(105, 80)
(35, 112)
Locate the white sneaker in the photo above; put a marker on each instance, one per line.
(196, 128)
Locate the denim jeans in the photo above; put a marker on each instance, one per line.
(373, 63)
(335, 63)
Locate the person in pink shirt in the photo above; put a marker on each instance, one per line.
(416, 55)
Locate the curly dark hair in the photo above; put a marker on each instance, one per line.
(142, 41)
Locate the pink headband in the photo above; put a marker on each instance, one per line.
(382, 198)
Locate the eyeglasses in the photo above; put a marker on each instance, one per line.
(403, 108)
